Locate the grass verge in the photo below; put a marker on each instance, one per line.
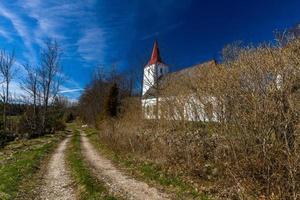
(147, 171)
(19, 161)
(88, 187)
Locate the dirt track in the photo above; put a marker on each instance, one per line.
(57, 182)
(117, 182)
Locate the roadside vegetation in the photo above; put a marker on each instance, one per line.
(29, 121)
(146, 170)
(252, 152)
(19, 161)
(88, 187)
(40, 110)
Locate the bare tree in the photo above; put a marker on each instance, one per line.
(30, 86)
(231, 51)
(6, 69)
(49, 75)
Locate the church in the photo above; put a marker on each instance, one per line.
(157, 77)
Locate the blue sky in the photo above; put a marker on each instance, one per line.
(121, 32)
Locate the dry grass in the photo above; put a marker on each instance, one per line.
(252, 152)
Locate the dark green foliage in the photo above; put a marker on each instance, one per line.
(112, 102)
(70, 117)
(103, 97)
(54, 123)
(30, 123)
(55, 116)
(6, 137)
(14, 109)
(13, 112)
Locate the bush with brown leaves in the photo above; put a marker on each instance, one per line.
(252, 151)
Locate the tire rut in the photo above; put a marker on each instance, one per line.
(57, 181)
(117, 182)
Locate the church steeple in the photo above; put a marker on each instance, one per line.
(154, 69)
(155, 56)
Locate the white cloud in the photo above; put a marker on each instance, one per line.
(74, 24)
(19, 26)
(55, 18)
(15, 89)
(70, 90)
(50, 20)
(4, 33)
(91, 44)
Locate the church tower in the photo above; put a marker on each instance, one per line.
(154, 69)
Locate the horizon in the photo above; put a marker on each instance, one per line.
(93, 33)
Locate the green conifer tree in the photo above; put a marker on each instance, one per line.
(112, 103)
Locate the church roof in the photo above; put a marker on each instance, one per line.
(155, 56)
(177, 76)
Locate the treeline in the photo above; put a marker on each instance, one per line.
(251, 153)
(40, 110)
(104, 97)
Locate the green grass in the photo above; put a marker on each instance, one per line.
(147, 171)
(89, 188)
(19, 161)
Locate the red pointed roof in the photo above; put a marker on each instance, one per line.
(155, 57)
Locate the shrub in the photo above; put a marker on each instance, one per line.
(69, 117)
(252, 152)
(29, 125)
(6, 137)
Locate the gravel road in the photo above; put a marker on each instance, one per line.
(57, 181)
(117, 182)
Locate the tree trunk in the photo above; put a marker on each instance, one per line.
(5, 106)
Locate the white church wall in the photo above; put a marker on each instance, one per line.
(195, 109)
(192, 110)
(152, 73)
(149, 77)
(149, 108)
